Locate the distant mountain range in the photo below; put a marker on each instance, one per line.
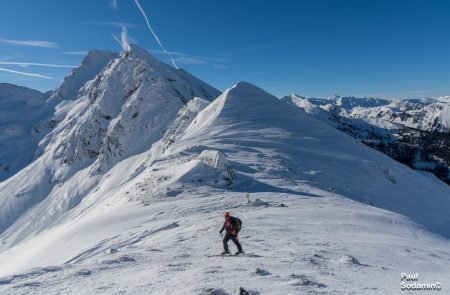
(415, 132)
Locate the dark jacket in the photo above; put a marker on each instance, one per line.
(231, 226)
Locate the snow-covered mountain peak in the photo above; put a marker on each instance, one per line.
(246, 95)
(133, 99)
(367, 102)
(246, 89)
(92, 64)
(135, 51)
(295, 95)
(121, 112)
(444, 99)
(241, 103)
(27, 115)
(178, 78)
(345, 102)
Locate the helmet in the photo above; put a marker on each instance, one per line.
(226, 214)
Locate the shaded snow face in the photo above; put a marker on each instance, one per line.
(24, 120)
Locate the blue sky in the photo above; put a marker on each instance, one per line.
(380, 48)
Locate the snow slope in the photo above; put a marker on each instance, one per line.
(133, 204)
(161, 248)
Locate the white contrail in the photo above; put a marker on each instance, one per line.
(154, 34)
(32, 43)
(17, 63)
(27, 74)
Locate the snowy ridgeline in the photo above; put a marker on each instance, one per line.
(127, 191)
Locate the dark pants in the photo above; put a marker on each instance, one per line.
(235, 241)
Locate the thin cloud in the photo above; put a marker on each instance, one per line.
(178, 54)
(27, 74)
(32, 43)
(186, 60)
(9, 57)
(110, 24)
(26, 64)
(114, 4)
(191, 59)
(75, 52)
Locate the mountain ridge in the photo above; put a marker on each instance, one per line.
(129, 98)
(131, 183)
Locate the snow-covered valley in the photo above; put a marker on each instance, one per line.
(127, 192)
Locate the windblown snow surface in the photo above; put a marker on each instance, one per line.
(128, 196)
